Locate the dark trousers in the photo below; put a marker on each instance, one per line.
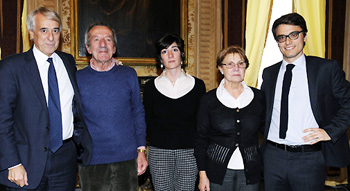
(119, 176)
(234, 180)
(60, 171)
(293, 171)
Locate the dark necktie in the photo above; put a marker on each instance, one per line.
(54, 107)
(284, 101)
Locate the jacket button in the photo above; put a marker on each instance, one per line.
(45, 149)
(237, 110)
(238, 121)
(238, 133)
(237, 144)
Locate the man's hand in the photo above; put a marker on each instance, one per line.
(141, 163)
(316, 135)
(18, 175)
(204, 184)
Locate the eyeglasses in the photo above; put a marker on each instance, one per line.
(231, 65)
(292, 36)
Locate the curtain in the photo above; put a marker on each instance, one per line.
(257, 25)
(314, 13)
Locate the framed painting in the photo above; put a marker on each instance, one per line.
(138, 24)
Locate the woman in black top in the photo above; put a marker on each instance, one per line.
(229, 119)
(171, 104)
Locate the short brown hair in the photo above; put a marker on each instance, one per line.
(231, 50)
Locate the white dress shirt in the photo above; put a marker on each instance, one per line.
(64, 85)
(181, 87)
(236, 160)
(300, 116)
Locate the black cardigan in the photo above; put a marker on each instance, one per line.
(221, 130)
(171, 123)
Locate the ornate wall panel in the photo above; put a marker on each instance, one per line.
(208, 40)
(66, 31)
(52, 4)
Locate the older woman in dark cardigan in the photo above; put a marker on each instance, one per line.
(229, 119)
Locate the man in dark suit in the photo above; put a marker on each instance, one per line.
(39, 101)
(307, 134)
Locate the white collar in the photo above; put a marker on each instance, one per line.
(229, 101)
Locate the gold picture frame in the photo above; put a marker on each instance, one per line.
(131, 61)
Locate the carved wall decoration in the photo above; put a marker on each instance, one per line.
(208, 43)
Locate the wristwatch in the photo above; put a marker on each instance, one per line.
(141, 150)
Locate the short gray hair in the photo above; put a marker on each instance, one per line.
(48, 13)
(87, 32)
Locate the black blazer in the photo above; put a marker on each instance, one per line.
(330, 103)
(24, 117)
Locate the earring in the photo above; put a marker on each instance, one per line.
(182, 63)
(161, 66)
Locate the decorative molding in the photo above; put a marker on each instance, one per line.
(51, 4)
(18, 35)
(66, 31)
(192, 66)
(330, 20)
(208, 30)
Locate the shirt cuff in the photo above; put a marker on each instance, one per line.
(15, 166)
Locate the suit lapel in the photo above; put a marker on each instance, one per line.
(312, 71)
(271, 83)
(32, 70)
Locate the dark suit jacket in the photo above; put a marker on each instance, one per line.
(330, 103)
(24, 118)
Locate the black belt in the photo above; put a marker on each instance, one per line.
(297, 148)
(67, 140)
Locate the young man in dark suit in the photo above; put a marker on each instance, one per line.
(307, 114)
(38, 102)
